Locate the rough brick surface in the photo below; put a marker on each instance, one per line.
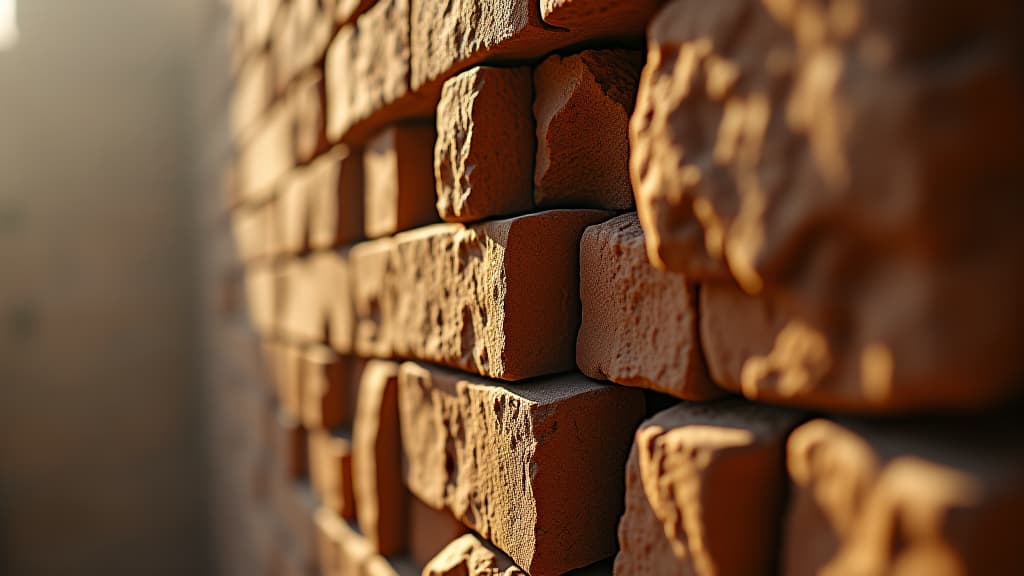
(430, 531)
(471, 556)
(875, 499)
(711, 479)
(325, 379)
(500, 299)
(808, 160)
(367, 68)
(399, 179)
(330, 471)
(335, 182)
(640, 325)
(613, 18)
(494, 454)
(369, 264)
(582, 107)
(483, 158)
(381, 500)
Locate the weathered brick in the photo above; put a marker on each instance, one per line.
(325, 397)
(881, 498)
(291, 212)
(381, 499)
(582, 106)
(258, 20)
(251, 232)
(307, 94)
(483, 158)
(335, 181)
(313, 21)
(287, 370)
(268, 157)
(367, 70)
(639, 325)
(399, 179)
(303, 316)
(330, 470)
(369, 263)
(705, 488)
(608, 18)
(335, 286)
(471, 556)
(809, 161)
(495, 455)
(764, 348)
(430, 531)
(500, 298)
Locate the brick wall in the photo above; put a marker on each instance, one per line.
(620, 286)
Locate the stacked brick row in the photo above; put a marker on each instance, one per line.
(530, 295)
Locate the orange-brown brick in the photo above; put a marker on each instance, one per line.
(381, 499)
(330, 470)
(483, 158)
(582, 106)
(399, 179)
(537, 468)
(430, 531)
(325, 382)
(639, 325)
(335, 183)
(606, 18)
(369, 264)
(886, 498)
(705, 488)
(469, 555)
(500, 298)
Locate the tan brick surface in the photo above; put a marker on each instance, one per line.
(499, 298)
(399, 182)
(494, 454)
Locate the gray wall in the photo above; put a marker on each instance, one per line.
(100, 454)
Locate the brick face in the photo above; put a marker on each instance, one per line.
(498, 290)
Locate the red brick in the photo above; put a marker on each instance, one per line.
(500, 298)
(367, 70)
(606, 18)
(335, 181)
(330, 471)
(471, 556)
(582, 106)
(268, 157)
(495, 455)
(381, 500)
(833, 179)
(399, 179)
(325, 382)
(483, 158)
(639, 325)
(705, 488)
(369, 263)
(883, 498)
(430, 531)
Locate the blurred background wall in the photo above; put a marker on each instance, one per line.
(100, 453)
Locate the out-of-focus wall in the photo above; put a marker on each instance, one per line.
(100, 453)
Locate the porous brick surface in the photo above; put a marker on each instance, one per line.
(871, 498)
(640, 324)
(612, 18)
(483, 158)
(494, 455)
(582, 106)
(458, 295)
(705, 487)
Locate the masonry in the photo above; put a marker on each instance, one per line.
(620, 286)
